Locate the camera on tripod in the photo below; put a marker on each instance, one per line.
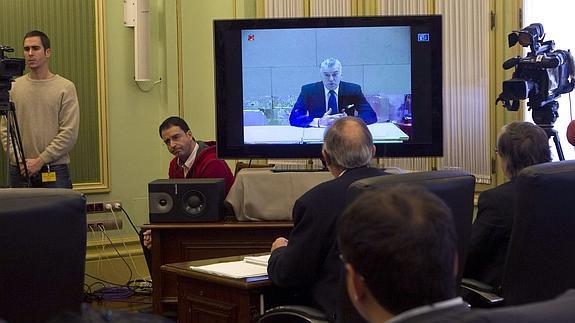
(9, 68)
(541, 76)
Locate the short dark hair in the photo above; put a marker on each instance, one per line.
(348, 143)
(522, 144)
(43, 37)
(402, 241)
(174, 121)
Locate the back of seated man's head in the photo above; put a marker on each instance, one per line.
(400, 252)
(521, 144)
(348, 144)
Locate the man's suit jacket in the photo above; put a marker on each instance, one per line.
(490, 235)
(310, 263)
(311, 104)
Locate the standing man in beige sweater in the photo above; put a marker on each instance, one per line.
(48, 114)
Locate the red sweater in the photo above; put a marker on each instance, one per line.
(206, 165)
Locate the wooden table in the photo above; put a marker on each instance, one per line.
(204, 297)
(179, 242)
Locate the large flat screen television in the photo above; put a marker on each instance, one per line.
(390, 70)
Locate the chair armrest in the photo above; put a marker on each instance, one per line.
(304, 313)
(486, 294)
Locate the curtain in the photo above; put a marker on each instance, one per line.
(465, 76)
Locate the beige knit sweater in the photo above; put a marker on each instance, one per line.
(48, 115)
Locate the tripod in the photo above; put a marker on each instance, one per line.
(552, 133)
(13, 138)
(545, 116)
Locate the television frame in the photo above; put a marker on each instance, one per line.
(426, 85)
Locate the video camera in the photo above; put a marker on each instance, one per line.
(541, 76)
(9, 68)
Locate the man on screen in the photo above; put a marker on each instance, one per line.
(320, 104)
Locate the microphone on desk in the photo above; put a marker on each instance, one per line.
(349, 110)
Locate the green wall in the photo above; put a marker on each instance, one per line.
(136, 153)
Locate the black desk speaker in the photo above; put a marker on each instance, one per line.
(186, 200)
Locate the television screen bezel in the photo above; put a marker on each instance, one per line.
(229, 85)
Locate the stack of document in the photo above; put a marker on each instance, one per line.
(252, 266)
(258, 260)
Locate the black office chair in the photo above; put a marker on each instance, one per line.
(293, 314)
(540, 260)
(557, 310)
(455, 188)
(43, 253)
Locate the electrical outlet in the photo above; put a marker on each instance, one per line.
(114, 206)
(103, 225)
(100, 207)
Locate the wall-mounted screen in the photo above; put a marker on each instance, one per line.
(281, 82)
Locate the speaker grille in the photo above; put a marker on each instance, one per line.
(186, 200)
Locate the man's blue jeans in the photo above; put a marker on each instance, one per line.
(62, 177)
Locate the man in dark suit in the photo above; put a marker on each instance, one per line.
(519, 145)
(320, 104)
(400, 253)
(309, 264)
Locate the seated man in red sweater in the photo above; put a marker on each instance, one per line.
(192, 159)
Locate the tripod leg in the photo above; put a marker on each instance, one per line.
(13, 140)
(558, 146)
(552, 133)
(13, 132)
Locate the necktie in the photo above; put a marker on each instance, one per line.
(331, 102)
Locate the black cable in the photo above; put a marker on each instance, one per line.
(91, 286)
(130, 220)
(87, 289)
(114, 293)
(103, 280)
(120, 291)
(89, 295)
(111, 293)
